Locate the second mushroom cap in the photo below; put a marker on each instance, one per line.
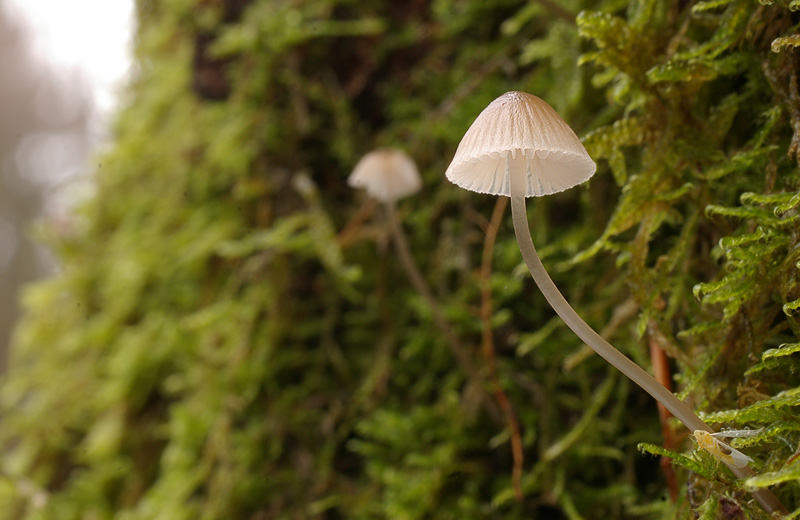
(387, 174)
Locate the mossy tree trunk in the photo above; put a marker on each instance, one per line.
(231, 335)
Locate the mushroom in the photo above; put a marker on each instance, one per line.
(520, 147)
(388, 174)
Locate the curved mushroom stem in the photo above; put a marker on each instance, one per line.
(410, 267)
(517, 170)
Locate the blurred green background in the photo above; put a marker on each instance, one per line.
(231, 336)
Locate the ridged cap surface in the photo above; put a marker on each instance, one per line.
(518, 122)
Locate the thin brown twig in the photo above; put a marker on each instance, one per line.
(661, 370)
(488, 343)
(348, 233)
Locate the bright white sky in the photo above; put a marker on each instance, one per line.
(85, 41)
(90, 35)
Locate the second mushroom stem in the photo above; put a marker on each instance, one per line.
(517, 178)
(421, 286)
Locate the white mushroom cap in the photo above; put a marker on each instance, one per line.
(387, 174)
(518, 122)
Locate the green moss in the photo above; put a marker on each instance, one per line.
(213, 348)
